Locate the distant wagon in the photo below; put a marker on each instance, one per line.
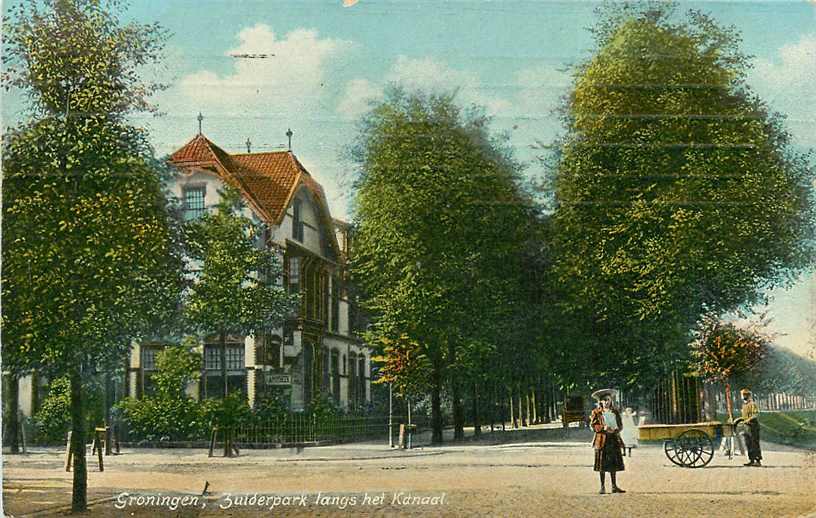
(575, 411)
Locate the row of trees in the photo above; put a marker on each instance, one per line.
(95, 255)
(674, 193)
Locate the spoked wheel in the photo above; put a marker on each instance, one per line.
(675, 452)
(693, 449)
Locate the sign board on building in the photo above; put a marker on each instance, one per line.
(279, 379)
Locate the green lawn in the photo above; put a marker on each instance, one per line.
(797, 428)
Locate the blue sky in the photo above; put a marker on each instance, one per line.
(511, 56)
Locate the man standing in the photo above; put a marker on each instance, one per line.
(750, 416)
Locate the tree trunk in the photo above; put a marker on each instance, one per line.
(493, 404)
(79, 497)
(223, 339)
(728, 404)
(456, 396)
(109, 396)
(513, 411)
(477, 424)
(709, 403)
(458, 412)
(13, 417)
(436, 403)
(533, 407)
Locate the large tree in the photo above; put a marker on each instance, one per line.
(439, 217)
(89, 260)
(677, 190)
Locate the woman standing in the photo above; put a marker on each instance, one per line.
(607, 424)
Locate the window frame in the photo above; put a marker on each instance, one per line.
(192, 213)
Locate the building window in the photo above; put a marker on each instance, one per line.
(297, 221)
(335, 375)
(294, 275)
(352, 379)
(324, 360)
(324, 300)
(213, 375)
(272, 348)
(335, 304)
(361, 393)
(193, 202)
(148, 363)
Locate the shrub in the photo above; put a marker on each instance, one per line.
(53, 419)
(154, 418)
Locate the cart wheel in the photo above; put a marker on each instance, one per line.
(697, 448)
(670, 448)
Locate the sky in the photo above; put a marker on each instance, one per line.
(512, 57)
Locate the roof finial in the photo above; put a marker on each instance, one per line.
(200, 118)
(249, 145)
(289, 134)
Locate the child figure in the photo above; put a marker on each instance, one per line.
(629, 432)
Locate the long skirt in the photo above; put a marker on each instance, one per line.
(610, 457)
(752, 441)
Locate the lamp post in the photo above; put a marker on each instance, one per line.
(390, 416)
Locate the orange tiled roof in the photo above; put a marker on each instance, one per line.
(268, 179)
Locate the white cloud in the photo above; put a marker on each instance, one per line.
(435, 76)
(788, 83)
(291, 76)
(356, 97)
(426, 74)
(540, 90)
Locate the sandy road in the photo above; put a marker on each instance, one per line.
(532, 478)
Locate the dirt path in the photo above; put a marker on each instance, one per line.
(521, 479)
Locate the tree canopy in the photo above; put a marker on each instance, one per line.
(677, 191)
(440, 220)
(90, 255)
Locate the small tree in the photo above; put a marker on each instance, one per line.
(169, 412)
(236, 291)
(722, 350)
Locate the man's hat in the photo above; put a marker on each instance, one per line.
(745, 392)
(600, 394)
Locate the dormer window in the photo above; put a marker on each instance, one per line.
(193, 202)
(297, 222)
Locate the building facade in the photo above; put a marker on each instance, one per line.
(315, 352)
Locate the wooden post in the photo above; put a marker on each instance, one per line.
(22, 431)
(226, 434)
(99, 435)
(68, 452)
(212, 441)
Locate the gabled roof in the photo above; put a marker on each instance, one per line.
(268, 180)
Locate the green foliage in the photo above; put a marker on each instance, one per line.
(53, 418)
(89, 253)
(170, 412)
(794, 428)
(781, 371)
(440, 219)
(236, 291)
(271, 407)
(176, 367)
(324, 407)
(154, 418)
(676, 192)
(231, 411)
